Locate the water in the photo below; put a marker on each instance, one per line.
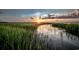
(56, 38)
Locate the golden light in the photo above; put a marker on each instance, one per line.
(38, 21)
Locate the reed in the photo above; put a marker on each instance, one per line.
(19, 36)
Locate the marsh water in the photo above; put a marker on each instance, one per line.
(57, 38)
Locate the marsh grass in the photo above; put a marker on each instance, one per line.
(71, 28)
(19, 36)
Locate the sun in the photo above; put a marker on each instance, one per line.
(38, 21)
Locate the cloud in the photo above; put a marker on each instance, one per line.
(9, 18)
(37, 14)
(1, 12)
(14, 19)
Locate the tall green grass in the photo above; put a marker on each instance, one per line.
(19, 37)
(71, 28)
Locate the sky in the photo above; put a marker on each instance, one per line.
(15, 14)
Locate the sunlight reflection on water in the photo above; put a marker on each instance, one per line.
(57, 38)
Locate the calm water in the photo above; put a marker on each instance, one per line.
(56, 38)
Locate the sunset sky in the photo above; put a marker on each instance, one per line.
(16, 14)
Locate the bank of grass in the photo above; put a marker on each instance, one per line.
(71, 28)
(19, 36)
(23, 25)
